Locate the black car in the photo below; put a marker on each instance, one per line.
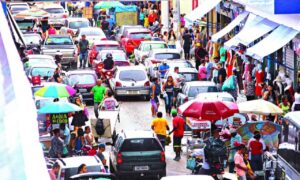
(137, 154)
(83, 81)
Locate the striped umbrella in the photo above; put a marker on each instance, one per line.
(55, 90)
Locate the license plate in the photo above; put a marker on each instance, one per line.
(141, 168)
(82, 90)
(132, 92)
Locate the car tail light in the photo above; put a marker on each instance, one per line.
(47, 117)
(118, 84)
(162, 156)
(62, 174)
(108, 73)
(147, 84)
(119, 158)
(154, 61)
(36, 80)
(186, 99)
(30, 52)
(35, 30)
(94, 54)
(103, 39)
(65, 16)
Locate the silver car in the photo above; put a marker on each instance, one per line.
(142, 52)
(130, 81)
(57, 15)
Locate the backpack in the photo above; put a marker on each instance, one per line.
(157, 89)
(99, 127)
(215, 153)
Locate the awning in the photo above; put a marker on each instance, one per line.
(251, 22)
(201, 10)
(230, 26)
(274, 41)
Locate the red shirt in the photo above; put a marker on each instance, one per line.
(256, 147)
(92, 152)
(152, 17)
(178, 122)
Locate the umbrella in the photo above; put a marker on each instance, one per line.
(108, 4)
(268, 130)
(260, 107)
(38, 13)
(208, 110)
(59, 107)
(55, 90)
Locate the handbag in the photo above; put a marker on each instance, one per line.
(229, 84)
(191, 163)
(65, 150)
(168, 140)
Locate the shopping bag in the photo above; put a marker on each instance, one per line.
(191, 163)
(168, 140)
(229, 84)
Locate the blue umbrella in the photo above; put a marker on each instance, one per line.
(59, 107)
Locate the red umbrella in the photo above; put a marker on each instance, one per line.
(208, 110)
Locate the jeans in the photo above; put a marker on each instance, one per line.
(83, 57)
(96, 105)
(242, 177)
(256, 162)
(162, 140)
(172, 46)
(168, 103)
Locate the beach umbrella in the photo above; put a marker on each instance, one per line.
(59, 107)
(260, 107)
(55, 90)
(108, 4)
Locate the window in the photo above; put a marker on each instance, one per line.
(147, 144)
(132, 75)
(93, 32)
(42, 71)
(107, 47)
(190, 76)
(23, 25)
(195, 90)
(34, 39)
(141, 35)
(167, 56)
(78, 24)
(148, 47)
(59, 41)
(55, 10)
(116, 56)
(73, 171)
(82, 79)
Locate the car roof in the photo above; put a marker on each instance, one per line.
(31, 34)
(119, 51)
(71, 162)
(189, 177)
(44, 65)
(200, 83)
(59, 35)
(131, 68)
(153, 42)
(92, 174)
(77, 19)
(52, 6)
(214, 95)
(165, 51)
(106, 42)
(39, 56)
(187, 70)
(81, 71)
(133, 30)
(90, 28)
(138, 134)
(131, 26)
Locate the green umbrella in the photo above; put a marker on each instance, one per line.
(107, 4)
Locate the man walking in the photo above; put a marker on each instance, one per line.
(99, 92)
(160, 127)
(240, 166)
(178, 132)
(83, 47)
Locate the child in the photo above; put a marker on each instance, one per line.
(146, 21)
(250, 173)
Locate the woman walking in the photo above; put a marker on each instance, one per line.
(172, 39)
(168, 89)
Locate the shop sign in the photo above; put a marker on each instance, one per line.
(198, 125)
(59, 118)
(236, 122)
(286, 7)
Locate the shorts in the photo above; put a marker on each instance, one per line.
(177, 141)
(156, 99)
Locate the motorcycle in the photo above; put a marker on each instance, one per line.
(104, 74)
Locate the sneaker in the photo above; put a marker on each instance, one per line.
(177, 158)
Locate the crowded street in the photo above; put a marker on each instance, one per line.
(150, 89)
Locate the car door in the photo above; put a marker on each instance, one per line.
(137, 52)
(115, 150)
(182, 95)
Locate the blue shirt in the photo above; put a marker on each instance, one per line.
(208, 69)
(236, 138)
(161, 69)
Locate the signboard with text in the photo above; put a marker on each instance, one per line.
(59, 118)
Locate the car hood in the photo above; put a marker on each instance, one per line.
(58, 46)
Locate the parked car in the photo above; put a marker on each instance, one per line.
(97, 46)
(24, 23)
(33, 40)
(83, 81)
(69, 166)
(92, 34)
(38, 59)
(40, 72)
(72, 24)
(191, 89)
(57, 14)
(63, 44)
(189, 74)
(137, 154)
(133, 37)
(119, 57)
(15, 8)
(142, 52)
(94, 175)
(222, 96)
(120, 32)
(130, 81)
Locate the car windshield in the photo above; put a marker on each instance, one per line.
(107, 47)
(146, 144)
(25, 24)
(195, 90)
(148, 47)
(59, 41)
(55, 10)
(73, 171)
(167, 56)
(38, 61)
(189, 76)
(180, 65)
(18, 8)
(42, 71)
(78, 24)
(116, 56)
(82, 79)
(140, 35)
(92, 32)
(34, 39)
(132, 75)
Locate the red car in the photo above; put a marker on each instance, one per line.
(133, 38)
(101, 45)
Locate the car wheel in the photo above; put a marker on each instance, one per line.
(163, 174)
(147, 98)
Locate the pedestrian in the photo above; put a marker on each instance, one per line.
(221, 75)
(146, 21)
(79, 140)
(51, 30)
(256, 151)
(285, 105)
(83, 47)
(187, 42)
(172, 39)
(235, 138)
(82, 169)
(56, 75)
(182, 20)
(165, 36)
(250, 174)
(234, 92)
(99, 92)
(259, 77)
(200, 54)
(222, 52)
(105, 26)
(53, 172)
(163, 68)
(178, 132)
(296, 104)
(160, 126)
(79, 117)
(154, 93)
(269, 95)
(240, 166)
(141, 17)
(109, 103)
(57, 145)
(88, 136)
(101, 149)
(209, 66)
(215, 70)
(249, 88)
(94, 150)
(65, 134)
(152, 17)
(168, 91)
(202, 71)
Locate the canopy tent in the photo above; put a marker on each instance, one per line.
(274, 41)
(201, 10)
(108, 4)
(230, 26)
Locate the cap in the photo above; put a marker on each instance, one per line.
(95, 145)
(101, 145)
(174, 112)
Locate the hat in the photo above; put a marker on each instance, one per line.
(94, 145)
(174, 112)
(101, 145)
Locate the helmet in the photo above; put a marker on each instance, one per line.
(108, 55)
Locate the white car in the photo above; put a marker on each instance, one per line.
(74, 23)
(15, 8)
(222, 96)
(130, 81)
(69, 166)
(145, 47)
(39, 59)
(57, 13)
(92, 34)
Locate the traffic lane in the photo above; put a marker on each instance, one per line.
(135, 114)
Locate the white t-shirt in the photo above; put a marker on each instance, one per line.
(110, 103)
(176, 77)
(205, 164)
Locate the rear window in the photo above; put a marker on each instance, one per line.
(82, 79)
(132, 75)
(141, 35)
(42, 71)
(148, 47)
(59, 41)
(55, 10)
(72, 171)
(167, 56)
(107, 47)
(93, 32)
(190, 76)
(116, 56)
(25, 24)
(195, 90)
(147, 144)
(78, 24)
